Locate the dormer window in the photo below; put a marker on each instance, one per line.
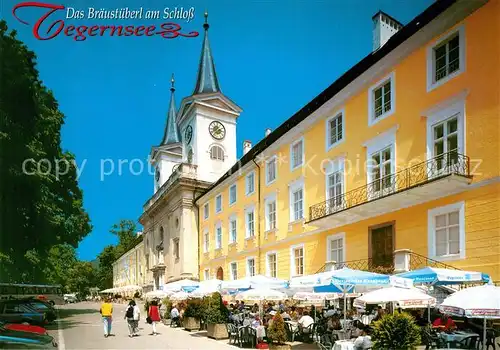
(217, 153)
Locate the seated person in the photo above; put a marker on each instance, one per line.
(255, 308)
(286, 316)
(293, 314)
(444, 322)
(419, 319)
(175, 315)
(256, 322)
(363, 341)
(269, 308)
(305, 321)
(380, 314)
(333, 324)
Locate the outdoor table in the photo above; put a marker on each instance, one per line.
(456, 336)
(343, 345)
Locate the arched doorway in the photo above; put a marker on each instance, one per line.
(220, 273)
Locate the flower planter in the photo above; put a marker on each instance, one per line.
(217, 331)
(191, 324)
(280, 347)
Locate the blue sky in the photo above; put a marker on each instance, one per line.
(272, 57)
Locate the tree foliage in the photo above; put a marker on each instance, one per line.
(217, 312)
(276, 331)
(126, 232)
(39, 206)
(396, 331)
(81, 278)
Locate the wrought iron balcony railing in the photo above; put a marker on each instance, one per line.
(451, 163)
(417, 261)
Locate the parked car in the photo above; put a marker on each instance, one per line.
(12, 339)
(70, 298)
(15, 311)
(40, 306)
(23, 328)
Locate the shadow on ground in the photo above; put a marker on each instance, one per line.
(63, 324)
(198, 334)
(64, 313)
(304, 346)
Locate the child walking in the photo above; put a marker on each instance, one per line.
(154, 315)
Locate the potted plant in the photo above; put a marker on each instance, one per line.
(276, 333)
(192, 315)
(168, 308)
(396, 331)
(217, 316)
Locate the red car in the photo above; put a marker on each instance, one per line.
(24, 328)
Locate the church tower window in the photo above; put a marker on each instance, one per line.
(216, 152)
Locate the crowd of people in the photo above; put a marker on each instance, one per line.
(132, 316)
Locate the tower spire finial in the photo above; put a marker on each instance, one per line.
(206, 25)
(206, 81)
(172, 134)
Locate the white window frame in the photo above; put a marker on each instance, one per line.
(292, 260)
(269, 199)
(206, 274)
(455, 107)
(371, 102)
(218, 198)
(235, 194)
(377, 144)
(247, 182)
(268, 269)
(233, 218)
(231, 275)
(206, 243)
(248, 267)
(431, 84)
(218, 244)
(329, 145)
(275, 160)
(247, 234)
(431, 230)
(333, 166)
(206, 211)
(292, 154)
(332, 238)
(293, 187)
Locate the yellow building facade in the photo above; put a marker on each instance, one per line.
(130, 269)
(397, 159)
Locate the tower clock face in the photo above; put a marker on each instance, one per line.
(188, 134)
(217, 130)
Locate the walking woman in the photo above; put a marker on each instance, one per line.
(129, 316)
(154, 315)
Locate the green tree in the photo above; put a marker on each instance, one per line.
(126, 231)
(39, 206)
(81, 277)
(61, 258)
(105, 273)
(396, 331)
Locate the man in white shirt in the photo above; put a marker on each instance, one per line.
(305, 321)
(364, 341)
(137, 317)
(174, 315)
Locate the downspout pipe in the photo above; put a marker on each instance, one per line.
(198, 226)
(258, 213)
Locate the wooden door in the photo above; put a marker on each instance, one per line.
(220, 274)
(382, 245)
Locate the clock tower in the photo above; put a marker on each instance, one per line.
(166, 157)
(207, 120)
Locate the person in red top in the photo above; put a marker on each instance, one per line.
(444, 322)
(154, 315)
